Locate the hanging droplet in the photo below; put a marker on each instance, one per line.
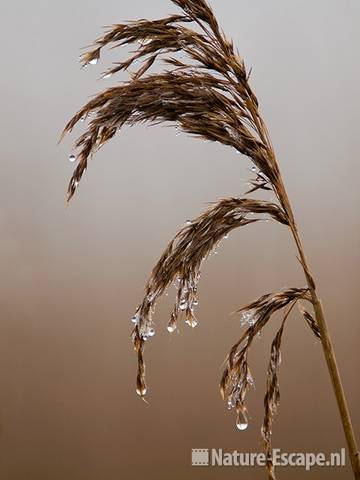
(226, 236)
(151, 332)
(253, 169)
(171, 327)
(188, 222)
(93, 61)
(191, 322)
(183, 305)
(141, 391)
(241, 422)
(72, 157)
(250, 380)
(135, 318)
(195, 303)
(247, 318)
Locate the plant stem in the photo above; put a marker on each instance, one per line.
(327, 348)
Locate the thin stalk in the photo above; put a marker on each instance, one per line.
(327, 347)
(326, 342)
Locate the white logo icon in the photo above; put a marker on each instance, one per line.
(200, 457)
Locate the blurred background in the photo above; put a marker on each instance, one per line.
(72, 276)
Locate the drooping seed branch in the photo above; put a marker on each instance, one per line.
(205, 92)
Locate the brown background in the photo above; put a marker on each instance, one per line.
(71, 277)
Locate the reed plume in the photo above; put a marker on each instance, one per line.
(205, 93)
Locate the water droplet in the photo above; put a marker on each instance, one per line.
(107, 75)
(183, 305)
(94, 61)
(253, 169)
(250, 380)
(191, 322)
(151, 332)
(237, 152)
(188, 222)
(72, 157)
(247, 318)
(135, 319)
(171, 328)
(230, 404)
(241, 426)
(241, 422)
(226, 236)
(141, 391)
(195, 303)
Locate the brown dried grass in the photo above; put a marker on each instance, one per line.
(206, 94)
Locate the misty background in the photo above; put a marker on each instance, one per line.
(72, 276)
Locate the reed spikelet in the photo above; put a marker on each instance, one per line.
(205, 93)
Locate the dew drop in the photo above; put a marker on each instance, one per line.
(107, 75)
(241, 426)
(188, 222)
(247, 318)
(183, 305)
(94, 61)
(151, 332)
(72, 158)
(241, 422)
(191, 322)
(141, 391)
(195, 303)
(226, 236)
(253, 169)
(171, 328)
